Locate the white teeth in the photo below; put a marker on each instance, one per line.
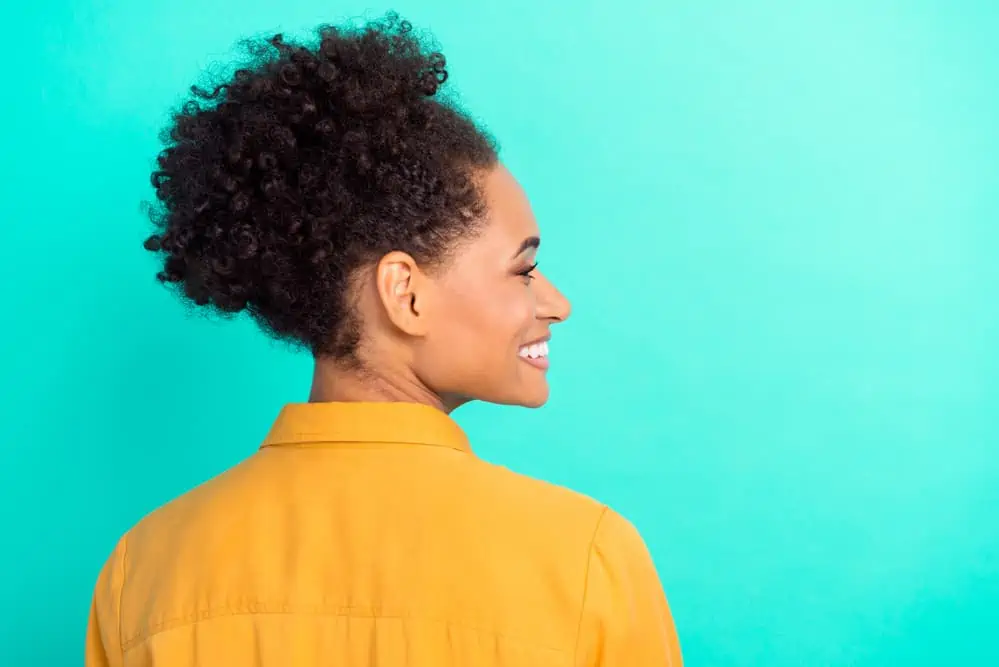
(534, 351)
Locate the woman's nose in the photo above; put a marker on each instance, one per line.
(551, 303)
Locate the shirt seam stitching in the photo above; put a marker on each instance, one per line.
(225, 612)
(121, 591)
(354, 444)
(586, 582)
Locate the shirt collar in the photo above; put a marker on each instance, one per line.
(330, 423)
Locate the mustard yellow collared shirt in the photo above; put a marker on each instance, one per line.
(369, 534)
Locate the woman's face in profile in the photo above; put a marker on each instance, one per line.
(493, 309)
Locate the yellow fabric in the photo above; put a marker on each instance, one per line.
(370, 534)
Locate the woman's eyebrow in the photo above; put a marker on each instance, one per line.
(528, 243)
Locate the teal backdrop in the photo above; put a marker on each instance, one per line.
(779, 223)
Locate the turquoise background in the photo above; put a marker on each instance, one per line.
(778, 223)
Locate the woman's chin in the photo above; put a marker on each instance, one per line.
(525, 390)
(533, 397)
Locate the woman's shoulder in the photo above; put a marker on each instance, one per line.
(529, 501)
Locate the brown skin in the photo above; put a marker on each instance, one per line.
(450, 334)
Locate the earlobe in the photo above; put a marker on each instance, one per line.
(399, 282)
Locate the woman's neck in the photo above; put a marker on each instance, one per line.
(334, 381)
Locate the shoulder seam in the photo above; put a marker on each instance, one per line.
(121, 590)
(586, 581)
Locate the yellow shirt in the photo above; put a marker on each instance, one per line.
(369, 534)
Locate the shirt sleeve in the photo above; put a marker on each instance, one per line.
(103, 644)
(625, 619)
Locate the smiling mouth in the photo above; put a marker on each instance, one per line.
(535, 354)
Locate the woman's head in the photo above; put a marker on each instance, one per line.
(333, 195)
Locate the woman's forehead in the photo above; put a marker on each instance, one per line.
(510, 210)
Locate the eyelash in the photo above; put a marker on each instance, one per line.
(527, 272)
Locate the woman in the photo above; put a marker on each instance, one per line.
(334, 195)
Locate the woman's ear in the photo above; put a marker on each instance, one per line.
(401, 287)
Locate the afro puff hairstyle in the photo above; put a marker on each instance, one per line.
(277, 185)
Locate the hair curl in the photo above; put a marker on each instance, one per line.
(277, 185)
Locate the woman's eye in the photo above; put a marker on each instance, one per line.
(527, 274)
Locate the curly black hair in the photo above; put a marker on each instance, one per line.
(277, 185)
